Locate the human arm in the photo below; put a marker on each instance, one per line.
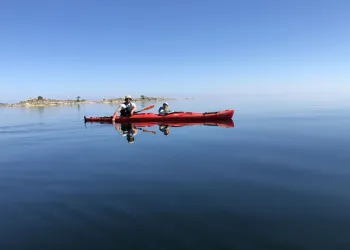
(117, 127)
(134, 109)
(116, 113)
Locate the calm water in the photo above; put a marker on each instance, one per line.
(280, 179)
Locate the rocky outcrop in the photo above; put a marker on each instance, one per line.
(46, 102)
(141, 99)
(42, 102)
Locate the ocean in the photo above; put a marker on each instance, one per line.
(278, 178)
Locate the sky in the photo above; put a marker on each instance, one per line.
(109, 48)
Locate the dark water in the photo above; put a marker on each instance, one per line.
(280, 179)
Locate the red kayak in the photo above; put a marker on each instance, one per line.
(220, 123)
(174, 116)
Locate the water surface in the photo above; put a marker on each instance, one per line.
(278, 180)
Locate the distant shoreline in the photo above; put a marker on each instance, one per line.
(43, 102)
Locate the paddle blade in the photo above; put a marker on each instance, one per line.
(149, 107)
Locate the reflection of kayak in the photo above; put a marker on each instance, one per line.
(175, 116)
(220, 123)
(223, 123)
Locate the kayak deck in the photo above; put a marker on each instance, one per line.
(174, 116)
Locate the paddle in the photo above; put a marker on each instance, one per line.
(147, 108)
(147, 131)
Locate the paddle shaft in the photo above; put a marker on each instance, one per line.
(147, 108)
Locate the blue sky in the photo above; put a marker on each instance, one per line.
(110, 48)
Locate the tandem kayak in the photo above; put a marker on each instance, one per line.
(176, 124)
(174, 116)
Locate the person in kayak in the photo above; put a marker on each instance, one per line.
(164, 109)
(125, 109)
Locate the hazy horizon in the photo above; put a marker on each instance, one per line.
(324, 95)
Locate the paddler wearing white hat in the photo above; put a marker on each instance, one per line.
(164, 109)
(126, 108)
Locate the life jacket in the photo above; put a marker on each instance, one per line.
(126, 111)
(163, 110)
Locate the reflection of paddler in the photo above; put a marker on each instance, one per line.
(164, 129)
(127, 130)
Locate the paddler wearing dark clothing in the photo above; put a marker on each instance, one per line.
(126, 108)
